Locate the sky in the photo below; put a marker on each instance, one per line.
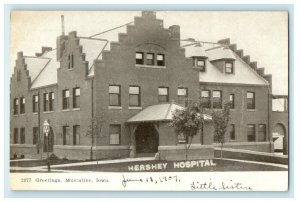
(262, 35)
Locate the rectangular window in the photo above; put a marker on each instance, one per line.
(182, 94)
(72, 61)
(69, 61)
(16, 105)
(251, 132)
(250, 100)
(18, 75)
(35, 136)
(200, 63)
(139, 58)
(182, 139)
(66, 99)
(114, 95)
(205, 99)
(134, 96)
(22, 105)
(114, 134)
(22, 136)
(217, 99)
(150, 59)
(66, 135)
(262, 133)
(35, 103)
(76, 135)
(232, 131)
(51, 101)
(163, 94)
(229, 67)
(231, 101)
(16, 135)
(46, 102)
(76, 97)
(160, 58)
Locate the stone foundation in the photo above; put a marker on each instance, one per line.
(252, 146)
(29, 151)
(178, 152)
(84, 152)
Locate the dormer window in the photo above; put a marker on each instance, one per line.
(139, 58)
(150, 58)
(160, 59)
(229, 67)
(200, 63)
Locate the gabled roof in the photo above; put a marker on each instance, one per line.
(47, 75)
(195, 51)
(159, 112)
(43, 69)
(219, 53)
(92, 47)
(243, 74)
(35, 65)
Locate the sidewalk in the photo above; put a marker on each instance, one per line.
(100, 162)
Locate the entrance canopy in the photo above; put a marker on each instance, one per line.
(160, 112)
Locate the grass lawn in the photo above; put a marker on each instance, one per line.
(221, 165)
(33, 163)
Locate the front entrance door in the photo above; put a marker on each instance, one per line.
(146, 138)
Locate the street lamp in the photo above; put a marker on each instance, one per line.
(46, 130)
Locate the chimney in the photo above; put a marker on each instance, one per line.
(46, 49)
(175, 32)
(149, 14)
(62, 25)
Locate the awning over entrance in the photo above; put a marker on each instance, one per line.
(160, 112)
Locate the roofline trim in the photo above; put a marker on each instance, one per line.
(241, 84)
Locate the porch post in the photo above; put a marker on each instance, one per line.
(132, 128)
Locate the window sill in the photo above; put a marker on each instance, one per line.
(115, 107)
(76, 109)
(217, 109)
(199, 68)
(251, 110)
(233, 110)
(34, 113)
(65, 110)
(135, 107)
(150, 66)
(48, 112)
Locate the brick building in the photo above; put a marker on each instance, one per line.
(118, 102)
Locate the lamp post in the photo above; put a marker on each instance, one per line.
(46, 130)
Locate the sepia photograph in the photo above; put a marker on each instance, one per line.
(149, 100)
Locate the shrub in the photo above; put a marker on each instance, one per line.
(53, 157)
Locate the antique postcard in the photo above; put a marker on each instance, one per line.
(149, 100)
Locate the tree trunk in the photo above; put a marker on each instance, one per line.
(186, 154)
(221, 150)
(92, 147)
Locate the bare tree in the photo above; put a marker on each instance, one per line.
(94, 131)
(220, 120)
